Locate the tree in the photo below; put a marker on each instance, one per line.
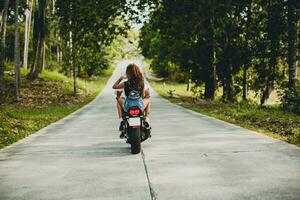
(2, 47)
(89, 26)
(292, 38)
(222, 42)
(17, 52)
(274, 32)
(210, 69)
(28, 13)
(232, 48)
(247, 54)
(40, 29)
(192, 25)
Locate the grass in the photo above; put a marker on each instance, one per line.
(42, 102)
(270, 120)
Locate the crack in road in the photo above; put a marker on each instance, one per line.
(153, 194)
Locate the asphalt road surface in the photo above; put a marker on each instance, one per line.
(190, 156)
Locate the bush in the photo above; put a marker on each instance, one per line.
(291, 98)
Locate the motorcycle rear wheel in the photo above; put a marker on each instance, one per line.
(135, 140)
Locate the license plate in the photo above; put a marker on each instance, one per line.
(136, 121)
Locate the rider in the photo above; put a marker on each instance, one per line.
(135, 82)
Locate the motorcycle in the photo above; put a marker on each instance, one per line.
(136, 129)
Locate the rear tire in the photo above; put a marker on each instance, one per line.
(135, 140)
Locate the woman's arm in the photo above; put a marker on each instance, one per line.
(118, 84)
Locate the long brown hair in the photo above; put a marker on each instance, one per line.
(135, 77)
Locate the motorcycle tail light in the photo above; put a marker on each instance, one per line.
(134, 111)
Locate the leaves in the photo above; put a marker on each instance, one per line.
(242, 35)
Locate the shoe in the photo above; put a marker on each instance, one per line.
(122, 135)
(122, 129)
(122, 126)
(147, 129)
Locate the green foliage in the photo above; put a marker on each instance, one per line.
(197, 92)
(243, 43)
(157, 48)
(271, 120)
(291, 98)
(125, 46)
(87, 29)
(79, 36)
(9, 50)
(172, 93)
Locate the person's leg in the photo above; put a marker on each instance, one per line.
(120, 107)
(147, 106)
(119, 103)
(120, 113)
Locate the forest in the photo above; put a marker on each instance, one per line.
(238, 46)
(234, 60)
(235, 47)
(150, 99)
(56, 56)
(73, 37)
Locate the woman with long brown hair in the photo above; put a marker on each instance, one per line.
(135, 82)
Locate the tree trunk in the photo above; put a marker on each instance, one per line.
(270, 79)
(245, 83)
(74, 77)
(44, 56)
(269, 86)
(274, 39)
(58, 51)
(53, 6)
(229, 85)
(2, 49)
(35, 36)
(210, 82)
(292, 37)
(73, 54)
(40, 23)
(266, 93)
(38, 62)
(17, 53)
(58, 54)
(28, 14)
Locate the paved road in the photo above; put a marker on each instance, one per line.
(190, 156)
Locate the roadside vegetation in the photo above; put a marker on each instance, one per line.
(237, 47)
(271, 120)
(239, 58)
(44, 101)
(55, 56)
